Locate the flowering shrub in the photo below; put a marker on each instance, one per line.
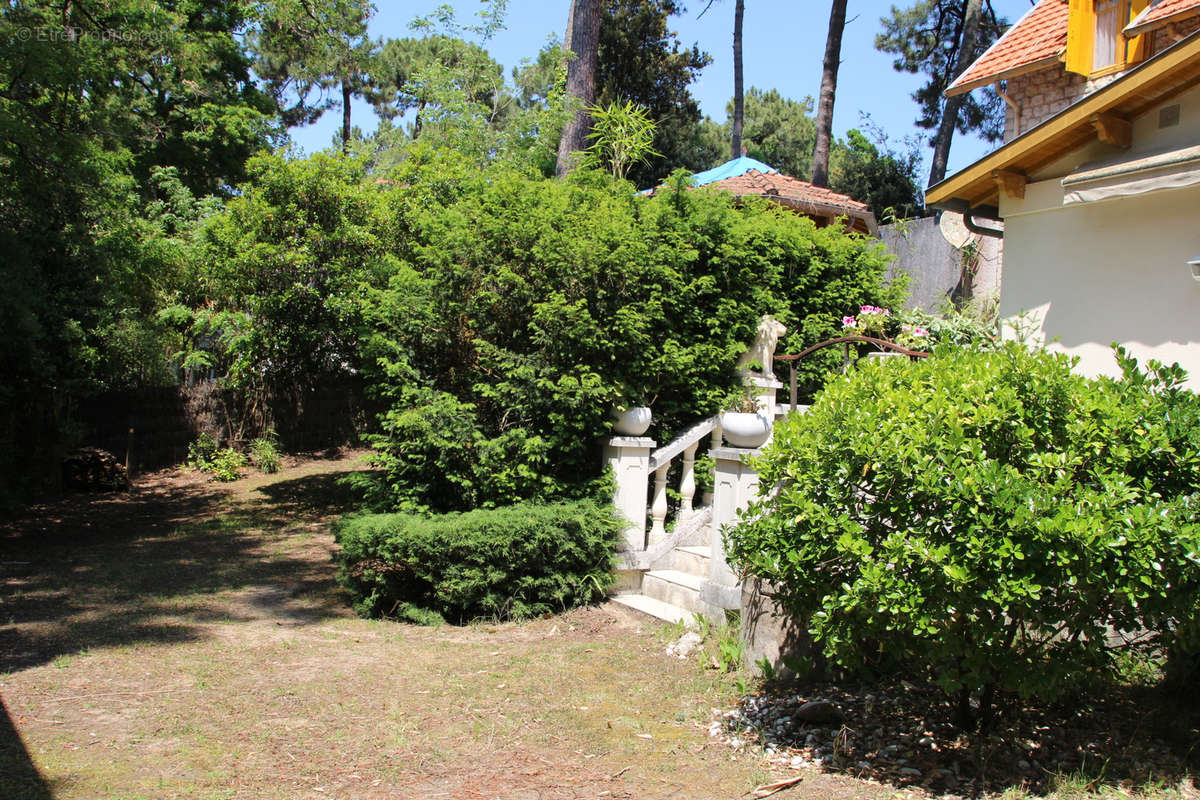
(987, 515)
(914, 337)
(919, 330)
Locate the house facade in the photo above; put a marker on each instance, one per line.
(1097, 186)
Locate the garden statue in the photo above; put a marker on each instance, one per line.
(762, 352)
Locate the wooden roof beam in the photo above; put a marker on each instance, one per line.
(1113, 128)
(1010, 182)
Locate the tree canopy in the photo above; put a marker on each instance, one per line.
(933, 38)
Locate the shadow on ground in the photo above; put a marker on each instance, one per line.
(903, 734)
(323, 493)
(19, 778)
(111, 570)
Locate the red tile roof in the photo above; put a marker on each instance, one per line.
(1160, 13)
(1037, 38)
(778, 185)
(819, 203)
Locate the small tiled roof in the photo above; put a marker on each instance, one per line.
(1037, 39)
(1160, 13)
(777, 185)
(730, 168)
(745, 177)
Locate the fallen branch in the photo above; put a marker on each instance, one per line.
(772, 788)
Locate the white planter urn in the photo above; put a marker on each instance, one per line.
(885, 355)
(745, 429)
(631, 421)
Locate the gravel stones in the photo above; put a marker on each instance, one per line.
(904, 735)
(685, 645)
(818, 712)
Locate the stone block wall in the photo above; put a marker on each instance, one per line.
(1042, 94)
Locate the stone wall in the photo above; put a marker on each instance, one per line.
(936, 268)
(1042, 94)
(1039, 96)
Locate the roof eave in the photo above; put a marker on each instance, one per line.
(975, 185)
(1003, 75)
(1155, 24)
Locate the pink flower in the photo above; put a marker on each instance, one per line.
(849, 322)
(920, 332)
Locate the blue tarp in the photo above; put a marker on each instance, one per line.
(738, 166)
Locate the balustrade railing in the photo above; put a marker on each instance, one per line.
(686, 445)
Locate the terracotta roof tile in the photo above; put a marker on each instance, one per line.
(1039, 35)
(775, 184)
(1160, 12)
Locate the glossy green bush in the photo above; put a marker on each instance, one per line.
(526, 309)
(512, 562)
(991, 515)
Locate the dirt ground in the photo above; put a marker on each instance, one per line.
(187, 640)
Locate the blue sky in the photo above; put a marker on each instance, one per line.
(784, 44)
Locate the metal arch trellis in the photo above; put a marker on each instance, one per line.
(846, 341)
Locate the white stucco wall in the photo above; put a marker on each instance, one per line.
(1110, 271)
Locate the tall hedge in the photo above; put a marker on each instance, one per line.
(497, 317)
(991, 516)
(512, 562)
(527, 309)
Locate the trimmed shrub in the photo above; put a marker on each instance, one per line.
(989, 514)
(512, 562)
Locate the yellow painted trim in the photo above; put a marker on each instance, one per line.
(1078, 115)
(1135, 46)
(1081, 30)
(1109, 70)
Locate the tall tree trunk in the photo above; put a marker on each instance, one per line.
(345, 117)
(738, 105)
(582, 39)
(972, 15)
(829, 71)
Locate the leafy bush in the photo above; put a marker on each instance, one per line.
(496, 317)
(989, 514)
(264, 452)
(201, 451)
(512, 562)
(526, 309)
(225, 465)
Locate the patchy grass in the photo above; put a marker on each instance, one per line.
(188, 641)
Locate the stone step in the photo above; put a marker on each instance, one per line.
(656, 608)
(675, 587)
(693, 559)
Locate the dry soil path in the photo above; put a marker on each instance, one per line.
(188, 641)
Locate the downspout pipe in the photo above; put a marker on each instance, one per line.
(972, 215)
(1000, 90)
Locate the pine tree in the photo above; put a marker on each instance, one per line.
(940, 39)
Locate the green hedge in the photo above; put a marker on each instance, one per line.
(515, 562)
(992, 516)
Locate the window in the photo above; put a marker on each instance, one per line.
(1096, 41)
(1107, 34)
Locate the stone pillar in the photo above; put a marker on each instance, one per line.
(765, 395)
(735, 484)
(629, 457)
